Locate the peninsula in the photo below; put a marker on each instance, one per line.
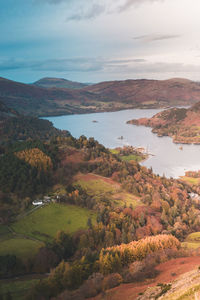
(182, 124)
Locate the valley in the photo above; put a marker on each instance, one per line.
(111, 227)
(99, 150)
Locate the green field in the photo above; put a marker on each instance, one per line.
(114, 151)
(131, 199)
(130, 157)
(21, 247)
(44, 223)
(135, 157)
(4, 230)
(5, 233)
(127, 199)
(96, 186)
(17, 289)
(190, 180)
(192, 241)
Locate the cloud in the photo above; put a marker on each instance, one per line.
(12, 64)
(57, 65)
(102, 69)
(126, 4)
(52, 1)
(92, 12)
(156, 37)
(129, 3)
(160, 68)
(121, 61)
(89, 9)
(67, 65)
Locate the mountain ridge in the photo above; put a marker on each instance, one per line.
(33, 100)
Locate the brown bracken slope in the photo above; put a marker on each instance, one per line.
(149, 92)
(168, 272)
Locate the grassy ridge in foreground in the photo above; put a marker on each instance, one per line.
(44, 223)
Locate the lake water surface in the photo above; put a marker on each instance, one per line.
(167, 157)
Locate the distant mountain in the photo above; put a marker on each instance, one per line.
(28, 99)
(34, 100)
(149, 93)
(182, 124)
(49, 82)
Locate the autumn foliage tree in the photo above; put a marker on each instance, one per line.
(114, 257)
(36, 158)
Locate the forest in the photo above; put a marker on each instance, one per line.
(125, 234)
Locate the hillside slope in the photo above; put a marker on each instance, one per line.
(49, 82)
(136, 211)
(6, 112)
(32, 100)
(177, 279)
(21, 128)
(149, 93)
(182, 124)
(106, 96)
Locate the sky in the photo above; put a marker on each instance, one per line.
(99, 40)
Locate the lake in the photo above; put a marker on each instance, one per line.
(166, 158)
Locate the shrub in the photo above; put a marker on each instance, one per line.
(112, 281)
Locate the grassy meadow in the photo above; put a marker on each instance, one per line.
(190, 180)
(17, 289)
(97, 186)
(44, 223)
(130, 157)
(21, 247)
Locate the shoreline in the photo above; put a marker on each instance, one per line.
(103, 111)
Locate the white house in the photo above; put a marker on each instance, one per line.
(37, 202)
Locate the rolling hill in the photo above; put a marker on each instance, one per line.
(105, 96)
(149, 93)
(49, 82)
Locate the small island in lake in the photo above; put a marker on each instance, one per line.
(182, 124)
